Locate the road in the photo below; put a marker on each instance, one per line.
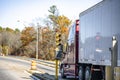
(15, 69)
(10, 70)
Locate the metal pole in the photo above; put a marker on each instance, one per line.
(56, 70)
(114, 54)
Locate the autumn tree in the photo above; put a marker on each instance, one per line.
(28, 38)
(60, 22)
(63, 24)
(47, 44)
(28, 35)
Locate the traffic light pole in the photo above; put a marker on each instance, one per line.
(56, 69)
(58, 44)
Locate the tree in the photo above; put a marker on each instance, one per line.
(53, 15)
(28, 38)
(17, 30)
(53, 10)
(47, 44)
(60, 24)
(1, 28)
(9, 29)
(28, 35)
(8, 39)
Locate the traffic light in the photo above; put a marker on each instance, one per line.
(59, 47)
(58, 39)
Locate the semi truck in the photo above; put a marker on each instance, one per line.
(87, 52)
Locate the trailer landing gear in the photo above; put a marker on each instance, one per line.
(81, 73)
(87, 73)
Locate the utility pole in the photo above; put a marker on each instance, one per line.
(37, 42)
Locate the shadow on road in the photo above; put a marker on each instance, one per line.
(46, 76)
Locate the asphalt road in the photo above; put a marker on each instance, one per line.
(27, 64)
(14, 69)
(21, 65)
(10, 70)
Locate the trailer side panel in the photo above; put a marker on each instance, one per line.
(97, 26)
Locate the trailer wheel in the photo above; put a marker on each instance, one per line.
(80, 74)
(62, 73)
(87, 73)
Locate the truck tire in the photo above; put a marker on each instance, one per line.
(62, 73)
(87, 73)
(81, 73)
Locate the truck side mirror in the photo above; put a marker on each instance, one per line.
(63, 55)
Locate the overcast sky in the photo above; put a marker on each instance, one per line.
(26, 10)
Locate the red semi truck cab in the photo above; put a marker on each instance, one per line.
(69, 63)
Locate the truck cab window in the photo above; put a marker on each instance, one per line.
(71, 35)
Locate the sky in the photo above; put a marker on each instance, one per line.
(19, 13)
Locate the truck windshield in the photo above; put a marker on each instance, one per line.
(71, 36)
